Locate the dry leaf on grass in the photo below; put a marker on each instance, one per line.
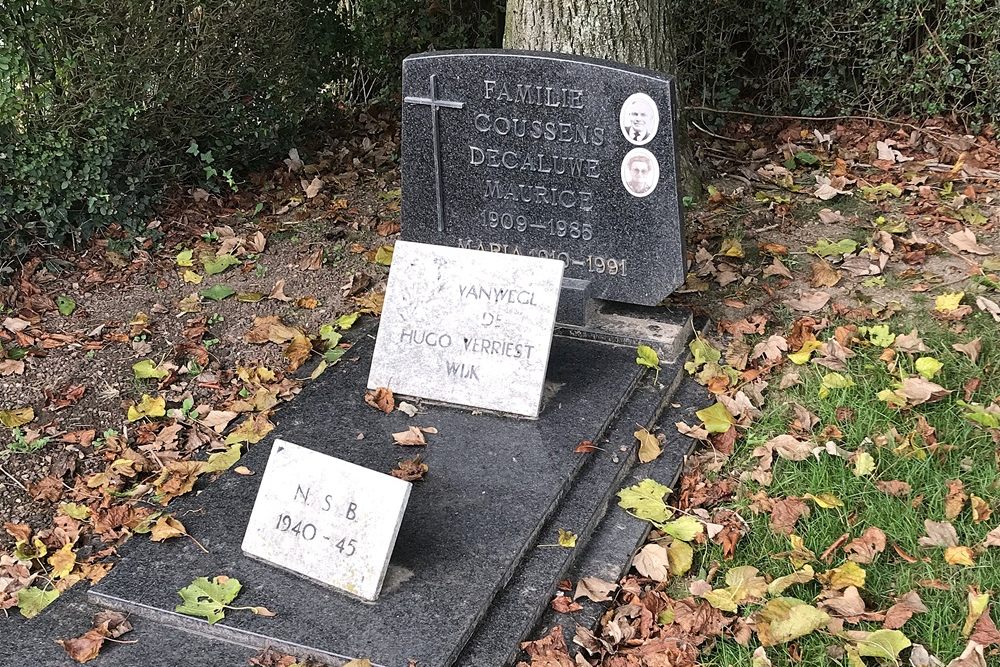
(906, 606)
(954, 501)
(894, 488)
(809, 301)
(865, 548)
(939, 534)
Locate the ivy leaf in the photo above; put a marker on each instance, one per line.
(217, 292)
(649, 445)
(32, 601)
(218, 264)
(647, 356)
(827, 248)
(65, 305)
(645, 501)
(702, 353)
(146, 369)
(949, 301)
(207, 599)
(685, 528)
(928, 367)
(347, 321)
(878, 334)
(716, 418)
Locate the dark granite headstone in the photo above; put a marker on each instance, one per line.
(547, 155)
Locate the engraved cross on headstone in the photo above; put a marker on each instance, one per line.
(436, 104)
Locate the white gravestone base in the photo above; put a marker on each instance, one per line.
(326, 519)
(467, 327)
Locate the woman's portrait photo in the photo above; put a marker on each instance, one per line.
(640, 172)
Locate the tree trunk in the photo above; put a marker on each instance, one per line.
(629, 31)
(636, 32)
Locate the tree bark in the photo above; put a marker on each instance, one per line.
(636, 32)
(629, 31)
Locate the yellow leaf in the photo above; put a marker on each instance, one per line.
(731, 248)
(800, 554)
(716, 418)
(825, 500)
(959, 556)
(778, 586)
(680, 555)
(977, 605)
(784, 619)
(220, 461)
(803, 355)
(928, 367)
(190, 276)
(62, 561)
(148, 407)
(17, 417)
(848, 574)
(567, 538)
(649, 446)
(948, 301)
(251, 430)
(864, 464)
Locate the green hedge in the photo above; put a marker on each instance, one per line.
(103, 101)
(813, 57)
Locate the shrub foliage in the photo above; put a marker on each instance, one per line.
(100, 101)
(883, 57)
(103, 101)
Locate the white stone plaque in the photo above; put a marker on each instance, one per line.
(467, 327)
(326, 519)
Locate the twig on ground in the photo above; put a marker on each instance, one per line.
(14, 479)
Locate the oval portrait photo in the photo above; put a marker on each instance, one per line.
(640, 172)
(639, 119)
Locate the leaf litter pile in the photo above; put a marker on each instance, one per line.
(134, 370)
(838, 507)
(840, 503)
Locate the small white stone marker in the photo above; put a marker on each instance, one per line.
(467, 327)
(326, 519)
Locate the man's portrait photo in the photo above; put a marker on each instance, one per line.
(639, 119)
(640, 172)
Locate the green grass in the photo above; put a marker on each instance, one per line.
(973, 459)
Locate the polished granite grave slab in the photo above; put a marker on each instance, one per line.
(493, 483)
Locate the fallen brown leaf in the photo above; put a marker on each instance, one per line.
(381, 399)
(865, 548)
(564, 604)
(954, 501)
